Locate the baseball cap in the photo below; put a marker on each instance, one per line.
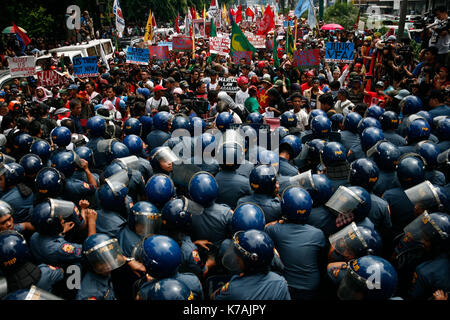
(379, 84)
(184, 84)
(278, 83)
(242, 80)
(401, 94)
(158, 88)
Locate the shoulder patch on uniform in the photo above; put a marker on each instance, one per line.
(92, 298)
(52, 267)
(68, 248)
(196, 256)
(225, 287)
(87, 186)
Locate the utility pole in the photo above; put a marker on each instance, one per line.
(401, 24)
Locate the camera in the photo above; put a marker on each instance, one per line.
(200, 106)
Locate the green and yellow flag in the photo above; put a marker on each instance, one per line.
(239, 41)
(276, 61)
(289, 43)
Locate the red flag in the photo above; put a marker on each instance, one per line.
(153, 20)
(26, 41)
(267, 22)
(176, 23)
(232, 12)
(249, 13)
(239, 14)
(213, 3)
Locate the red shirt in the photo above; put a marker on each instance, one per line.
(374, 99)
(305, 86)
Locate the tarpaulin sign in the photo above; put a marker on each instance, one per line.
(160, 53)
(22, 66)
(306, 58)
(220, 45)
(182, 43)
(339, 52)
(165, 43)
(259, 42)
(238, 55)
(84, 67)
(51, 78)
(229, 85)
(137, 55)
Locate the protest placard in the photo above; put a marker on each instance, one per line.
(22, 66)
(51, 78)
(84, 67)
(165, 44)
(286, 23)
(220, 45)
(160, 53)
(306, 58)
(259, 42)
(229, 85)
(137, 55)
(181, 43)
(339, 52)
(238, 55)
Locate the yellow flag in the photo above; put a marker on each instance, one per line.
(295, 35)
(149, 28)
(193, 44)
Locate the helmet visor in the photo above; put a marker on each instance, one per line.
(348, 242)
(424, 195)
(230, 259)
(343, 201)
(61, 208)
(36, 293)
(166, 154)
(147, 223)
(352, 287)
(118, 181)
(106, 256)
(131, 162)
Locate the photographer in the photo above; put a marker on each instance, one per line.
(440, 37)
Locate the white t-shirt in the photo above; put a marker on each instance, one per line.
(302, 119)
(241, 96)
(155, 104)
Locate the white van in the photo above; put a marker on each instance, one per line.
(90, 49)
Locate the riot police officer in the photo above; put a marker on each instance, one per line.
(430, 152)
(389, 121)
(160, 189)
(162, 122)
(336, 167)
(290, 147)
(386, 156)
(135, 146)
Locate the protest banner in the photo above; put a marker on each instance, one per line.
(258, 42)
(182, 43)
(339, 52)
(51, 78)
(286, 23)
(160, 53)
(229, 85)
(84, 67)
(165, 44)
(202, 28)
(238, 55)
(22, 66)
(220, 45)
(306, 58)
(137, 56)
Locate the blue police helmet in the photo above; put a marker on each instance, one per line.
(180, 122)
(64, 162)
(281, 131)
(169, 289)
(288, 119)
(418, 130)
(363, 209)
(32, 293)
(162, 121)
(364, 173)
(5, 209)
(14, 251)
(175, 215)
(230, 156)
(144, 219)
(122, 104)
(113, 168)
(370, 136)
(336, 120)
(296, 204)
(315, 147)
(410, 171)
(61, 136)
(375, 112)
(45, 217)
(103, 252)
(351, 122)
(224, 120)
(161, 256)
(427, 116)
(203, 188)
(389, 120)
(320, 126)
(411, 105)
(49, 181)
(268, 157)
(255, 118)
(386, 156)
(443, 129)
(85, 153)
(23, 142)
(132, 126)
(247, 216)
(144, 91)
(159, 189)
(430, 152)
(96, 126)
(320, 190)
(314, 113)
(293, 144)
(14, 173)
(197, 122)
(112, 197)
(254, 247)
(263, 179)
(367, 123)
(134, 144)
(119, 150)
(207, 139)
(31, 163)
(42, 148)
(333, 152)
(357, 284)
(442, 220)
(146, 124)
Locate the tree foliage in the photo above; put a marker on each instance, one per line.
(344, 14)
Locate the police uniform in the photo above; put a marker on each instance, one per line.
(436, 177)
(356, 152)
(379, 213)
(145, 168)
(156, 138)
(190, 258)
(81, 175)
(402, 210)
(270, 205)
(95, 287)
(76, 190)
(55, 250)
(323, 219)
(232, 187)
(299, 246)
(349, 139)
(430, 276)
(100, 161)
(49, 276)
(127, 240)
(189, 279)
(245, 168)
(259, 286)
(21, 205)
(136, 185)
(394, 138)
(213, 225)
(286, 168)
(109, 222)
(386, 180)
